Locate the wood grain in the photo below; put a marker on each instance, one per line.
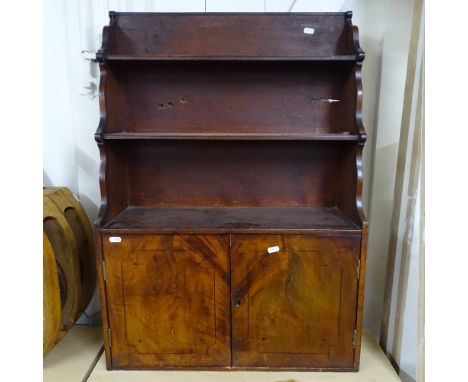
(234, 174)
(168, 301)
(228, 35)
(236, 97)
(81, 227)
(231, 220)
(295, 307)
(62, 240)
(51, 304)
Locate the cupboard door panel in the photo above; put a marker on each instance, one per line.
(168, 299)
(294, 307)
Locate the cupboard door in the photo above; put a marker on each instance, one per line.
(168, 300)
(294, 301)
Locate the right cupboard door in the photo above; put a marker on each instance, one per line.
(294, 301)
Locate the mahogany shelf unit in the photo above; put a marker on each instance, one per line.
(231, 233)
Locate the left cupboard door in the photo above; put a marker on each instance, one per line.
(168, 300)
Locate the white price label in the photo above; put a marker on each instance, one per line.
(273, 249)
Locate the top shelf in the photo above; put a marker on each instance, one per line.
(230, 37)
(121, 57)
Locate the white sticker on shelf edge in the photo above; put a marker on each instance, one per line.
(308, 30)
(273, 249)
(115, 239)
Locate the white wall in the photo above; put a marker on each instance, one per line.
(394, 76)
(59, 141)
(71, 117)
(392, 85)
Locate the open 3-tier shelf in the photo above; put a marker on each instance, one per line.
(231, 230)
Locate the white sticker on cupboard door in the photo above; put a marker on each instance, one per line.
(273, 249)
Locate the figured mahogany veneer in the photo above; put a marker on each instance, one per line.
(295, 307)
(231, 233)
(170, 297)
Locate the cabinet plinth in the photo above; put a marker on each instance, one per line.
(231, 233)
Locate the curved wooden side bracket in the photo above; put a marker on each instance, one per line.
(112, 16)
(99, 139)
(348, 16)
(100, 54)
(360, 54)
(359, 185)
(362, 137)
(360, 127)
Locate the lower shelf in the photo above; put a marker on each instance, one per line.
(230, 219)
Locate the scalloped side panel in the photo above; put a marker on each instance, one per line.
(362, 141)
(360, 54)
(359, 185)
(105, 36)
(359, 101)
(102, 150)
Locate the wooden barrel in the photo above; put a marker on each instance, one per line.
(63, 243)
(68, 235)
(82, 230)
(52, 311)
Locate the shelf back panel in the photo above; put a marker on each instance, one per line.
(161, 36)
(231, 173)
(263, 98)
